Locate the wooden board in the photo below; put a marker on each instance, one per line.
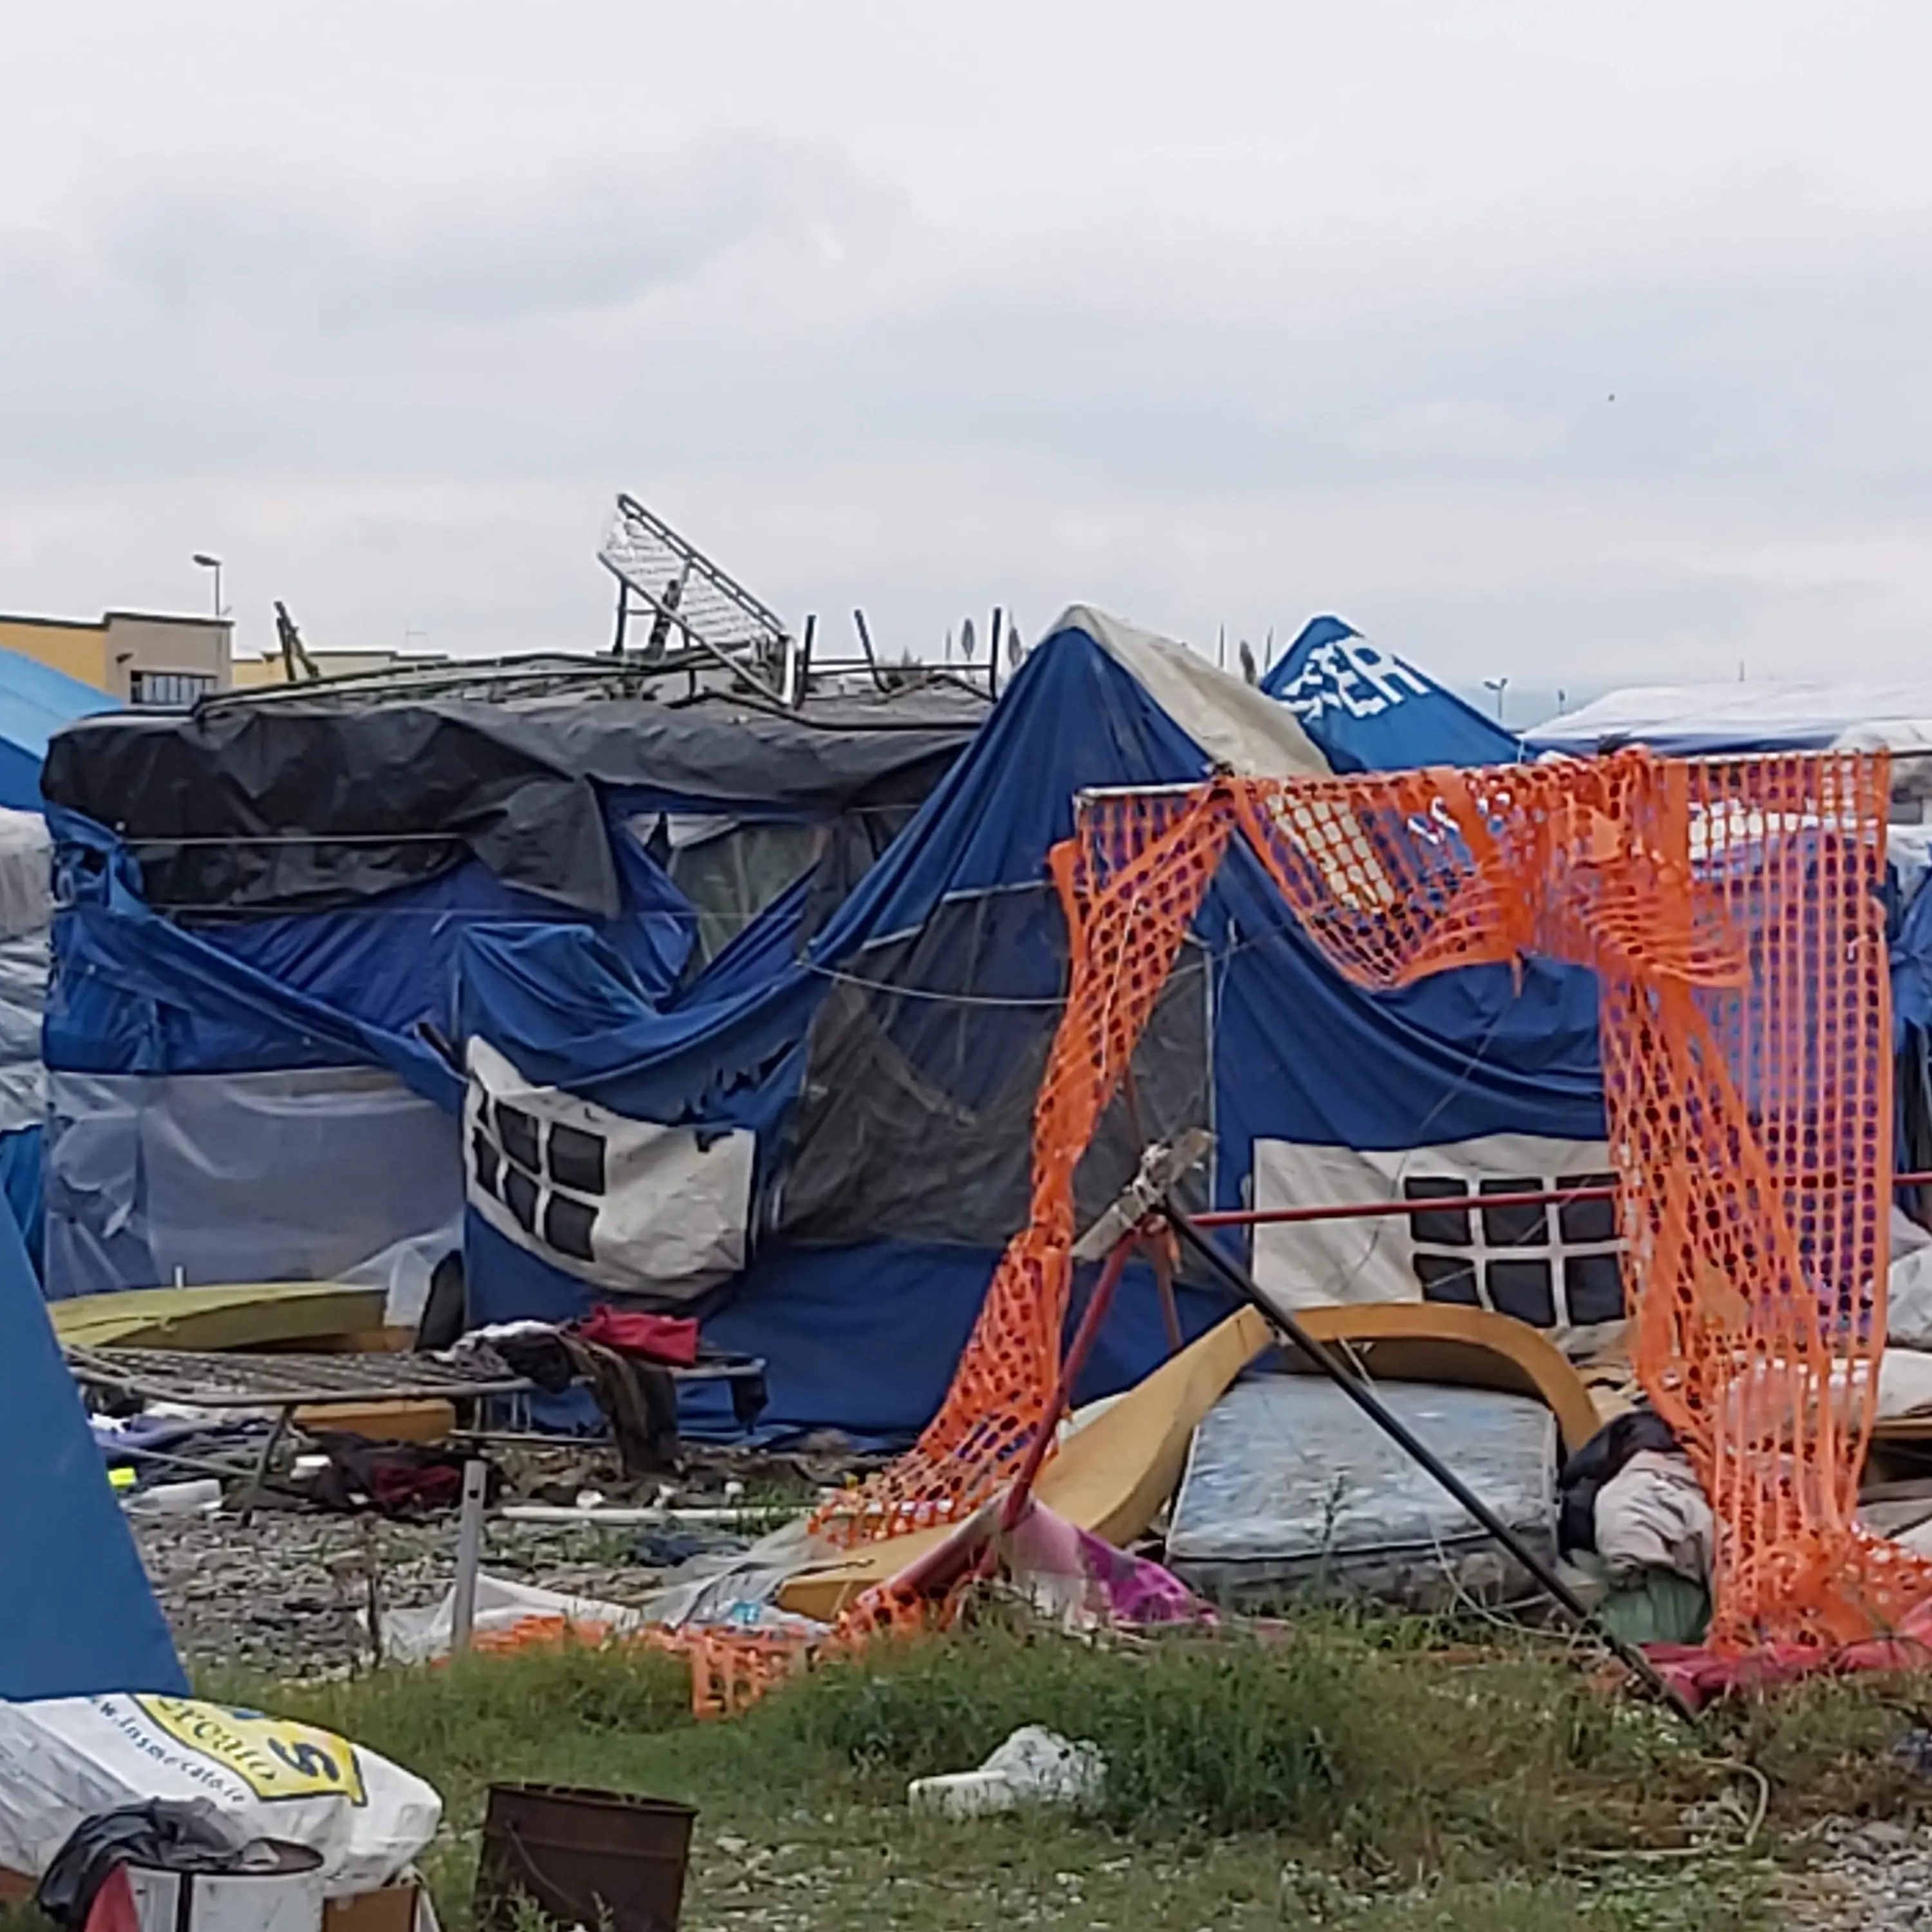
(234, 1315)
(1468, 1348)
(388, 1420)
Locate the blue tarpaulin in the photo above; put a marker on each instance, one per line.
(35, 701)
(1371, 711)
(80, 1618)
(887, 1073)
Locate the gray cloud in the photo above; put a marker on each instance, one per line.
(583, 240)
(1266, 313)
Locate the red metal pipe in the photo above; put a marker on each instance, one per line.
(1433, 1204)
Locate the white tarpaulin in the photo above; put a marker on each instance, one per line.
(1556, 1267)
(619, 1203)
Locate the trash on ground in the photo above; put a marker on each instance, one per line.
(507, 1613)
(1070, 1576)
(1034, 1766)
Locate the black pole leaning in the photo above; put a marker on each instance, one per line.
(1360, 1391)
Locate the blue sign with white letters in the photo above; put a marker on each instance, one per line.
(1370, 711)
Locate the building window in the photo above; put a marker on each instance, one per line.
(173, 690)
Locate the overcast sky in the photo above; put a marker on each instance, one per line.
(1220, 313)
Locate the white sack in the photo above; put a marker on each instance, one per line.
(66, 1759)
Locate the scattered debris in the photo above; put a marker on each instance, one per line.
(1034, 1766)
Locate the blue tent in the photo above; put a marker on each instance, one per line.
(248, 1039)
(1370, 711)
(81, 1619)
(471, 1001)
(824, 1155)
(35, 701)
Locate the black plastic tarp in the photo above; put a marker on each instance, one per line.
(300, 805)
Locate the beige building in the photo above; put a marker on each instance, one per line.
(140, 657)
(270, 667)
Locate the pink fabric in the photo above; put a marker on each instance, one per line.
(1094, 1577)
(1699, 1676)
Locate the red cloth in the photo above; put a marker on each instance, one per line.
(1699, 1676)
(671, 1340)
(114, 1910)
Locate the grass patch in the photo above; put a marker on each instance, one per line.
(1343, 1777)
(1328, 1737)
(1347, 1776)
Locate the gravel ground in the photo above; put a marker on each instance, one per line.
(282, 1592)
(1867, 1876)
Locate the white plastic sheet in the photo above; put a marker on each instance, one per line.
(298, 1175)
(67, 1759)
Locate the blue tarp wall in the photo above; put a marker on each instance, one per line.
(35, 701)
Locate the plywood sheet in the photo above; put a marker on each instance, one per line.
(232, 1316)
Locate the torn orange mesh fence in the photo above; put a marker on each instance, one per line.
(1731, 911)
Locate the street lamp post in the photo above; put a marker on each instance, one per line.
(213, 563)
(1499, 685)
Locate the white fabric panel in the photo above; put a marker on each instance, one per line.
(303, 1175)
(1379, 1257)
(26, 873)
(23, 991)
(622, 1203)
(1235, 724)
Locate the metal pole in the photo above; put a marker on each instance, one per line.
(1359, 1391)
(1438, 1203)
(468, 1555)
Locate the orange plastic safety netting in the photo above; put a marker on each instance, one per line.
(1731, 911)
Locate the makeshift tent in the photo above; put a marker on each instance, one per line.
(824, 1157)
(1370, 711)
(81, 1619)
(35, 702)
(1685, 719)
(248, 1041)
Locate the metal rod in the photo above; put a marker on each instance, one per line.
(468, 1554)
(1361, 1393)
(1437, 1204)
(1170, 1309)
